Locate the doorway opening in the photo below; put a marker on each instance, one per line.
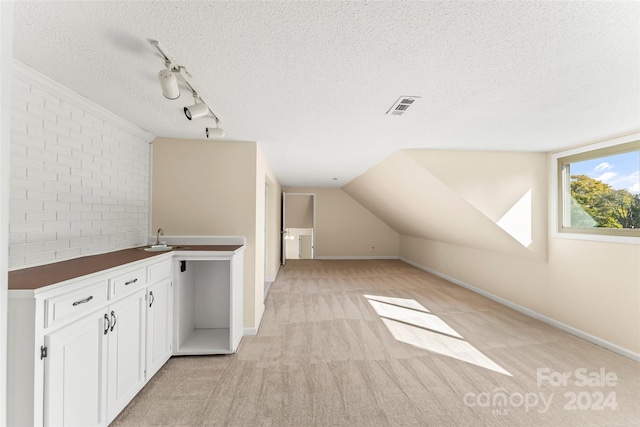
(299, 243)
(298, 226)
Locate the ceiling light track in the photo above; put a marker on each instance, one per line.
(169, 78)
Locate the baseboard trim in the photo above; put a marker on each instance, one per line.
(356, 257)
(548, 320)
(254, 331)
(267, 286)
(277, 272)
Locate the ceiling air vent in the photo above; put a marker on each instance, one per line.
(401, 105)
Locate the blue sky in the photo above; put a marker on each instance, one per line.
(621, 171)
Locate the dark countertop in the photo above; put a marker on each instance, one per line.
(45, 275)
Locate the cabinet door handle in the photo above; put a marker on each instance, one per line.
(82, 301)
(131, 281)
(152, 298)
(114, 321)
(107, 323)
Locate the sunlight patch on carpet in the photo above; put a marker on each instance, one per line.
(418, 327)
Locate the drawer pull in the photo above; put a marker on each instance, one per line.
(82, 301)
(131, 281)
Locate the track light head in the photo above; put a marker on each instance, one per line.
(196, 110)
(214, 133)
(169, 83)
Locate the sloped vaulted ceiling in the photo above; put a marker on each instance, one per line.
(488, 200)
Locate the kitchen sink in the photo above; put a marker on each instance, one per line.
(162, 248)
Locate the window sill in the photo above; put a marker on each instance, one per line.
(630, 240)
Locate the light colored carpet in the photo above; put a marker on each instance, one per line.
(381, 343)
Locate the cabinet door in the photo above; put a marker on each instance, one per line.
(125, 371)
(75, 373)
(159, 325)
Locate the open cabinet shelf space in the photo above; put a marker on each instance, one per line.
(206, 341)
(208, 304)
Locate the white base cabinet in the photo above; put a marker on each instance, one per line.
(75, 373)
(126, 344)
(78, 350)
(95, 366)
(159, 325)
(81, 349)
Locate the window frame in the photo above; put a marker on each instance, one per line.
(560, 181)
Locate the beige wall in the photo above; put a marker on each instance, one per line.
(203, 187)
(299, 211)
(271, 221)
(345, 228)
(591, 286)
(493, 183)
(274, 218)
(215, 188)
(415, 200)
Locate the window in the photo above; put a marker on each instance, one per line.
(599, 191)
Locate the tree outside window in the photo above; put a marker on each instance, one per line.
(601, 191)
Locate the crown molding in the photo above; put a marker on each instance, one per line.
(54, 88)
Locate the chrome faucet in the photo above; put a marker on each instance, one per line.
(160, 233)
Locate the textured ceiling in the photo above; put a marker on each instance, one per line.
(311, 81)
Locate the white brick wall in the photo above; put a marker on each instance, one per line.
(79, 175)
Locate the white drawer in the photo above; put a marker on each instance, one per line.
(128, 282)
(159, 271)
(76, 303)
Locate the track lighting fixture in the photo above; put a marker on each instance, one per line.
(169, 79)
(196, 110)
(214, 133)
(169, 84)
